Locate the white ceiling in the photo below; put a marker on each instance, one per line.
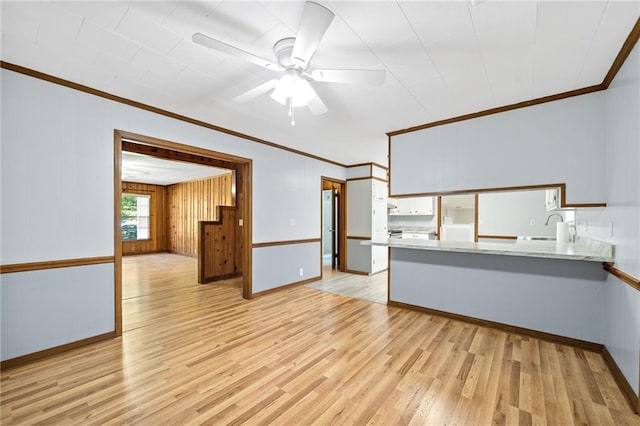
(443, 59)
(145, 169)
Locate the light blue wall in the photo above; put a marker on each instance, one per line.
(558, 296)
(622, 216)
(57, 149)
(553, 142)
(48, 308)
(280, 265)
(590, 142)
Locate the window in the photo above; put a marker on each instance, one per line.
(134, 217)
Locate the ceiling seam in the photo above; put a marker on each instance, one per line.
(484, 65)
(424, 49)
(384, 64)
(535, 51)
(593, 37)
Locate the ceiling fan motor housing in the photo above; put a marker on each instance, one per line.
(282, 49)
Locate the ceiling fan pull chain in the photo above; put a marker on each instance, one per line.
(291, 113)
(293, 118)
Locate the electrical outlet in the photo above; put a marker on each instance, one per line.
(240, 222)
(532, 222)
(301, 272)
(292, 222)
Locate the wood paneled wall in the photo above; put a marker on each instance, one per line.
(188, 203)
(157, 207)
(219, 256)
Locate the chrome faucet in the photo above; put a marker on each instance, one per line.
(554, 214)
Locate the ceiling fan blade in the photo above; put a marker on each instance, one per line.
(368, 77)
(255, 92)
(314, 23)
(220, 46)
(316, 106)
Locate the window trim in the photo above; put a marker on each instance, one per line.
(138, 195)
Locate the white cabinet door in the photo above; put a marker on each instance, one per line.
(379, 259)
(379, 217)
(423, 206)
(380, 190)
(405, 205)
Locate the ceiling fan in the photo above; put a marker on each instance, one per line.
(293, 57)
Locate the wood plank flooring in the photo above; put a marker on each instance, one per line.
(200, 354)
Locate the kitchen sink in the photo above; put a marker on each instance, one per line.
(536, 238)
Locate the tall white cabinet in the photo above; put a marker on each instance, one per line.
(366, 219)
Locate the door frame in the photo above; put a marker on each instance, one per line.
(341, 185)
(187, 153)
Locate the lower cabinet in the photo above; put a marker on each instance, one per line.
(366, 259)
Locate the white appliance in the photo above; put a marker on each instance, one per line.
(457, 232)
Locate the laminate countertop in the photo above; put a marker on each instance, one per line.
(583, 249)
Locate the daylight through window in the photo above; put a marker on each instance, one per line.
(134, 220)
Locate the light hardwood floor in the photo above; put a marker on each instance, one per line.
(196, 354)
(372, 288)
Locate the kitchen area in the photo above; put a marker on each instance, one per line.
(506, 257)
(500, 216)
(413, 218)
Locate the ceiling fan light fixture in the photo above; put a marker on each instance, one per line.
(294, 88)
(284, 89)
(302, 93)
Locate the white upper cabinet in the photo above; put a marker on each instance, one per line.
(423, 205)
(419, 206)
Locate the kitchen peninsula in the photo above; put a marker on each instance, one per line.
(549, 287)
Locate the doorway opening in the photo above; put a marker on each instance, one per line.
(239, 220)
(333, 221)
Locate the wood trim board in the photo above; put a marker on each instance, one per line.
(621, 275)
(481, 190)
(621, 381)
(369, 164)
(505, 108)
(99, 93)
(53, 264)
(358, 237)
(117, 234)
(25, 359)
(181, 152)
(499, 237)
(351, 271)
(623, 54)
(554, 338)
(621, 57)
(286, 242)
(439, 225)
(341, 186)
(147, 252)
(288, 286)
(475, 217)
(562, 186)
